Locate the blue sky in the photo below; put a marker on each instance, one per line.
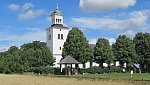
(23, 21)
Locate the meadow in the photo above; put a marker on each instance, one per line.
(127, 76)
(14, 79)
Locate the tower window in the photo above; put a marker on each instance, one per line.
(61, 36)
(58, 36)
(60, 20)
(59, 48)
(60, 29)
(56, 20)
(49, 37)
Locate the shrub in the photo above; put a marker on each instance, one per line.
(1, 68)
(115, 69)
(43, 70)
(57, 71)
(100, 70)
(94, 70)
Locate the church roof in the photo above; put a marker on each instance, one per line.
(137, 65)
(57, 26)
(69, 60)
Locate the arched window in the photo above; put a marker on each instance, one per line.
(60, 20)
(49, 37)
(58, 36)
(61, 36)
(59, 48)
(56, 21)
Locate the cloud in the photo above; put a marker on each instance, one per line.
(14, 7)
(31, 14)
(111, 41)
(26, 12)
(92, 41)
(30, 36)
(134, 20)
(3, 49)
(129, 33)
(26, 6)
(32, 29)
(105, 5)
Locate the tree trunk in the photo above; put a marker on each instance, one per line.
(109, 67)
(121, 64)
(84, 65)
(76, 68)
(101, 65)
(91, 64)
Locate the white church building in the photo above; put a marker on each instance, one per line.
(56, 36)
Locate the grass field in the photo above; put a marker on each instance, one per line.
(136, 76)
(47, 80)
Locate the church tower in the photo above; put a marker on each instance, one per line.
(56, 35)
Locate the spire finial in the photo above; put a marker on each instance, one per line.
(57, 6)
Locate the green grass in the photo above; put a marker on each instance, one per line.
(136, 76)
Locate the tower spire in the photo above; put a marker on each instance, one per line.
(57, 6)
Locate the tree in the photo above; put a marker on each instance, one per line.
(77, 46)
(36, 54)
(124, 50)
(103, 52)
(12, 60)
(142, 46)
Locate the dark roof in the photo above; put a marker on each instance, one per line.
(69, 60)
(58, 26)
(92, 45)
(56, 12)
(137, 65)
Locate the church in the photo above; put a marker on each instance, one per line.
(56, 35)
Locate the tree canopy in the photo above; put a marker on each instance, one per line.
(29, 56)
(77, 46)
(142, 47)
(124, 50)
(103, 52)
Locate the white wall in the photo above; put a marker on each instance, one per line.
(57, 43)
(58, 58)
(57, 17)
(49, 42)
(54, 44)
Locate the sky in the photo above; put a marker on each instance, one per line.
(24, 21)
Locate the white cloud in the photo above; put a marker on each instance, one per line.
(92, 41)
(27, 37)
(14, 7)
(26, 6)
(3, 49)
(111, 41)
(105, 5)
(31, 14)
(136, 19)
(32, 36)
(32, 29)
(129, 33)
(26, 12)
